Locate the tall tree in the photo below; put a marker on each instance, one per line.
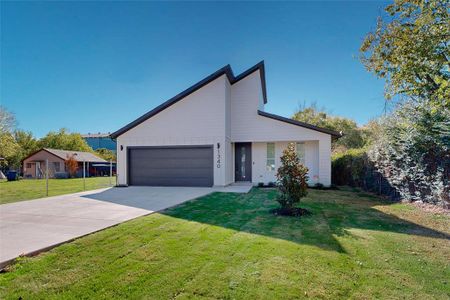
(8, 120)
(411, 52)
(106, 154)
(411, 146)
(8, 149)
(64, 140)
(26, 144)
(8, 145)
(16, 146)
(353, 136)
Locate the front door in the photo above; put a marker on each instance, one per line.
(243, 161)
(37, 168)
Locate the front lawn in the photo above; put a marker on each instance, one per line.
(229, 246)
(27, 189)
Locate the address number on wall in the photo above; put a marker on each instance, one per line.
(218, 158)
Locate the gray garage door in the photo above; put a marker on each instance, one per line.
(171, 166)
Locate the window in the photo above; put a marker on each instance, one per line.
(300, 148)
(270, 163)
(56, 166)
(28, 165)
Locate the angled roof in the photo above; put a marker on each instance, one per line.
(78, 155)
(232, 79)
(64, 154)
(298, 123)
(223, 71)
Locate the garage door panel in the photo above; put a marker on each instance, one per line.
(158, 181)
(171, 163)
(175, 153)
(167, 173)
(171, 166)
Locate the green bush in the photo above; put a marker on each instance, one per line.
(350, 167)
(409, 157)
(412, 151)
(291, 179)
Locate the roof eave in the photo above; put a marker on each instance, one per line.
(37, 151)
(298, 123)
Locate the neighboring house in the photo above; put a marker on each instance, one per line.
(34, 165)
(217, 133)
(100, 140)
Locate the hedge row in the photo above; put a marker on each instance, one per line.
(354, 168)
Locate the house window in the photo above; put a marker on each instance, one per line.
(56, 166)
(28, 165)
(300, 149)
(270, 163)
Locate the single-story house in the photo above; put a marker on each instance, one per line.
(34, 165)
(216, 133)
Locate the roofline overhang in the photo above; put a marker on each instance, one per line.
(55, 155)
(299, 123)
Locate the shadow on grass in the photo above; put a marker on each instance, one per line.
(332, 214)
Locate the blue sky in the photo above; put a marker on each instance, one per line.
(95, 66)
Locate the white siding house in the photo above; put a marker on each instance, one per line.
(217, 133)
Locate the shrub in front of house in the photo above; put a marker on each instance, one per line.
(61, 175)
(292, 183)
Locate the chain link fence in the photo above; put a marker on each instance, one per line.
(51, 182)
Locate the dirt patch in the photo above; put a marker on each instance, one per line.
(430, 208)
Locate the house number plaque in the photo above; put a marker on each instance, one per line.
(218, 156)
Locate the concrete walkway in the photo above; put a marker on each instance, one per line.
(29, 227)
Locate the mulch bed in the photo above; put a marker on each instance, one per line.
(293, 212)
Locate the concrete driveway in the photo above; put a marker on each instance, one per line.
(29, 227)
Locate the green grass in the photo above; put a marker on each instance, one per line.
(229, 246)
(27, 189)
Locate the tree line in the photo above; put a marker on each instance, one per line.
(409, 147)
(16, 144)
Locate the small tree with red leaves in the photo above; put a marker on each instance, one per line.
(71, 165)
